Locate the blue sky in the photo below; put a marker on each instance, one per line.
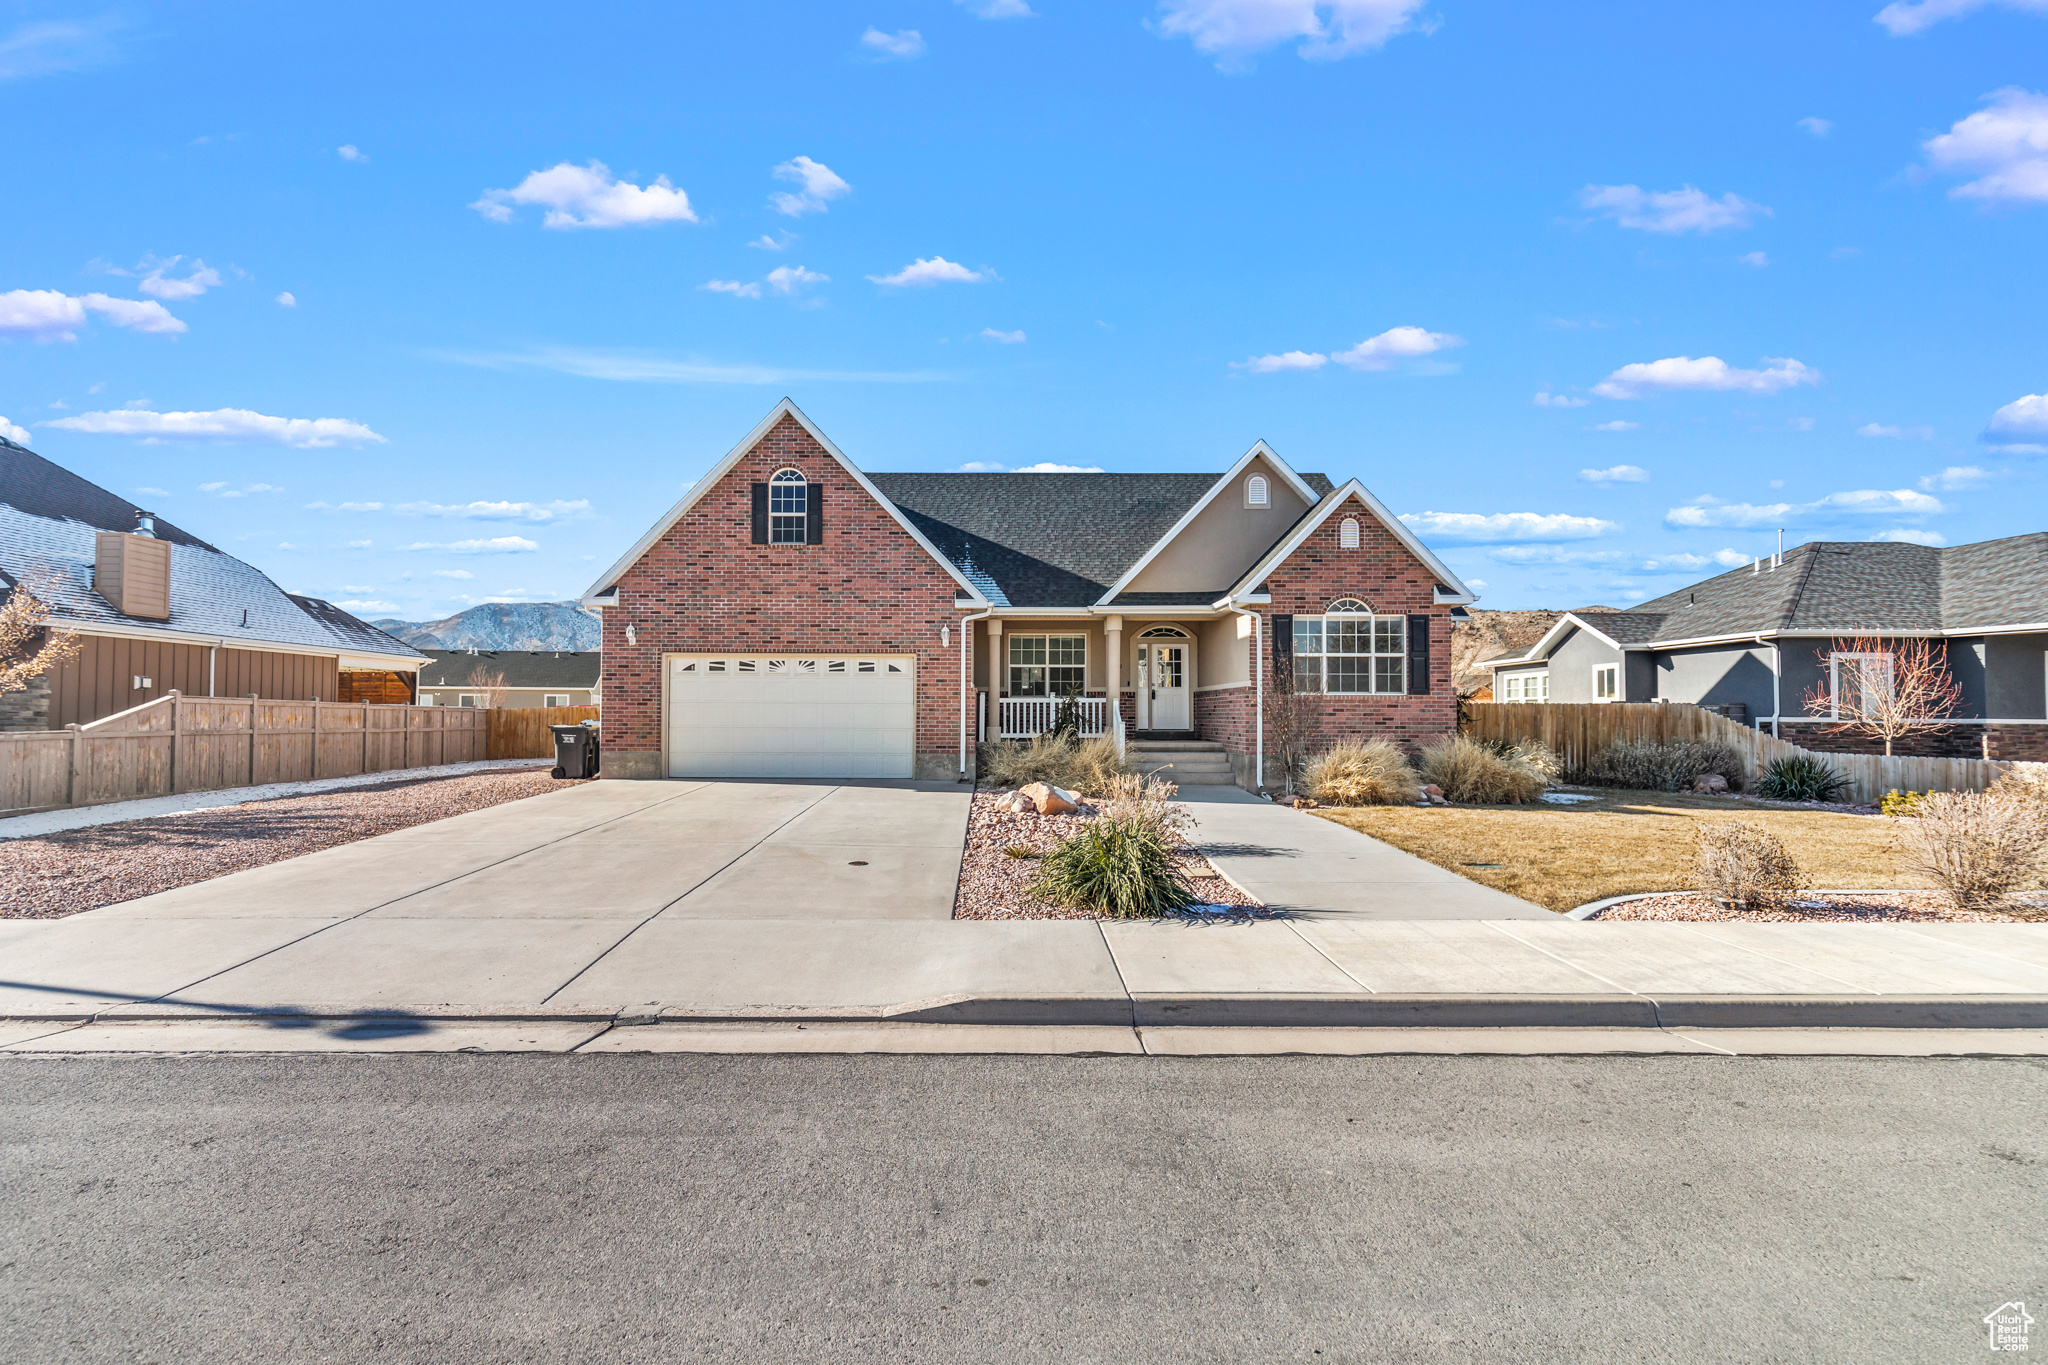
(420, 306)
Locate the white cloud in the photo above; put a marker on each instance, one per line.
(1286, 360)
(746, 290)
(589, 197)
(1015, 338)
(2023, 418)
(787, 279)
(496, 545)
(155, 492)
(1819, 127)
(999, 9)
(893, 46)
(1616, 426)
(640, 368)
(1955, 478)
(349, 153)
(220, 489)
(1048, 467)
(287, 300)
(1876, 429)
(499, 511)
(1506, 526)
(1727, 559)
(1396, 343)
(1758, 259)
(937, 270)
(1232, 30)
(819, 186)
(363, 604)
(1681, 210)
(2007, 141)
(1903, 18)
(1546, 399)
(47, 315)
(767, 243)
(18, 435)
(1475, 582)
(1859, 502)
(1682, 372)
(228, 424)
(979, 467)
(1621, 473)
(452, 573)
(41, 49)
(1551, 554)
(357, 544)
(196, 282)
(1908, 535)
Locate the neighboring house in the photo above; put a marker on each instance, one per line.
(515, 677)
(795, 616)
(1754, 642)
(157, 608)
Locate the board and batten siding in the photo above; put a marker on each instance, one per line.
(99, 680)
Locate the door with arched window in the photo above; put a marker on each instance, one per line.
(1164, 671)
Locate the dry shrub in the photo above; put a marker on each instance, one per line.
(1978, 847)
(1087, 766)
(1468, 771)
(1373, 773)
(1148, 800)
(1674, 766)
(1742, 863)
(2024, 782)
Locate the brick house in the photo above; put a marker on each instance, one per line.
(796, 616)
(1755, 643)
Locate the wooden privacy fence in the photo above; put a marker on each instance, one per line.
(522, 731)
(1575, 731)
(197, 744)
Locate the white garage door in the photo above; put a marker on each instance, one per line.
(791, 715)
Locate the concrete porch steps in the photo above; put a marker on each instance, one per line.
(1188, 762)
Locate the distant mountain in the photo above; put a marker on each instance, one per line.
(502, 625)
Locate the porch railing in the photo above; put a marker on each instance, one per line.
(1024, 717)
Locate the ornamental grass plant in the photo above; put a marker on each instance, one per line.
(1121, 865)
(1667, 767)
(1088, 766)
(1351, 773)
(1472, 773)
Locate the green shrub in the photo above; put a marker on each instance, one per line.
(1742, 864)
(1672, 766)
(1901, 804)
(1120, 865)
(1466, 770)
(1801, 777)
(1087, 766)
(1374, 773)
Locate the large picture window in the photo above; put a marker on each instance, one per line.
(1048, 665)
(1350, 650)
(788, 503)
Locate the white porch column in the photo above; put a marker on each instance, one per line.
(996, 672)
(1113, 675)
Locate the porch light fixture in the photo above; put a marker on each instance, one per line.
(945, 635)
(629, 634)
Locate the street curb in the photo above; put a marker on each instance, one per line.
(1592, 908)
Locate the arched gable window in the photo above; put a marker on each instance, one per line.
(1164, 633)
(1347, 534)
(1255, 492)
(788, 504)
(1350, 650)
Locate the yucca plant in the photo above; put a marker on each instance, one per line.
(1119, 865)
(1801, 777)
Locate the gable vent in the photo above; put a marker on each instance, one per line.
(1347, 534)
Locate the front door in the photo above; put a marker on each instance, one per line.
(1167, 688)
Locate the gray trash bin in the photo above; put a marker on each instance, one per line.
(576, 750)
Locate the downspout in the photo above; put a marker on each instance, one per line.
(212, 653)
(1258, 692)
(1777, 681)
(967, 678)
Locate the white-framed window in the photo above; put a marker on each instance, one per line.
(426, 699)
(1255, 494)
(1525, 687)
(554, 699)
(1349, 651)
(1862, 682)
(788, 507)
(1606, 682)
(1347, 534)
(470, 699)
(1048, 665)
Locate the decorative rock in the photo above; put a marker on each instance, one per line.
(1712, 784)
(1048, 799)
(1434, 793)
(1020, 804)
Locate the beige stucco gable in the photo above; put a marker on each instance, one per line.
(1213, 550)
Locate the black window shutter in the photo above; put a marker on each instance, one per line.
(814, 514)
(1283, 643)
(760, 514)
(1418, 656)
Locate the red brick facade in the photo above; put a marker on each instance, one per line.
(1951, 741)
(705, 586)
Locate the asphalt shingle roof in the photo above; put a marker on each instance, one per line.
(50, 519)
(1050, 540)
(521, 667)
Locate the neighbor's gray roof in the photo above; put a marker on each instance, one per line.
(542, 668)
(50, 519)
(1049, 540)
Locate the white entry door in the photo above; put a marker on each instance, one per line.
(1166, 687)
(791, 715)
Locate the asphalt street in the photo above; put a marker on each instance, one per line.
(625, 1208)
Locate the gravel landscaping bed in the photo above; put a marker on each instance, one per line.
(1865, 908)
(53, 875)
(992, 882)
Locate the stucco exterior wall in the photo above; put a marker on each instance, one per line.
(1223, 541)
(2016, 677)
(1716, 675)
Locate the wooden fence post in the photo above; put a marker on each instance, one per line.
(72, 784)
(364, 770)
(177, 734)
(313, 766)
(252, 739)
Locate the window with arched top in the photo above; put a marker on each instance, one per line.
(1347, 534)
(1348, 649)
(1164, 633)
(788, 504)
(1348, 606)
(1255, 491)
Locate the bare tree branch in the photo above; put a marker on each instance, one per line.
(1885, 689)
(488, 683)
(29, 648)
(1294, 720)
